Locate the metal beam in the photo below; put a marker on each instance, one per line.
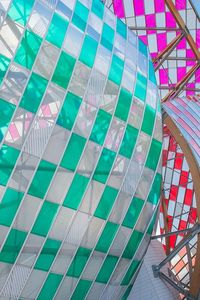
(170, 233)
(183, 27)
(154, 28)
(165, 87)
(180, 85)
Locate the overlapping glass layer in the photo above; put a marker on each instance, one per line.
(80, 149)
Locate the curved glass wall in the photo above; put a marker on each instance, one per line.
(80, 144)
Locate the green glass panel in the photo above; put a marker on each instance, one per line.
(28, 49)
(141, 87)
(116, 70)
(47, 255)
(4, 63)
(107, 268)
(76, 191)
(106, 203)
(133, 244)
(50, 287)
(100, 127)
(154, 194)
(12, 246)
(80, 16)
(88, 52)
(151, 225)
(152, 76)
(104, 165)
(33, 93)
(64, 69)
(69, 111)
(45, 218)
(6, 113)
(127, 292)
(81, 290)
(9, 205)
(107, 237)
(42, 179)
(73, 152)
(129, 141)
(131, 271)
(79, 262)
(148, 120)
(8, 158)
(57, 30)
(98, 8)
(20, 11)
(142, 47)
(123, 104)
(107, 38)
(153, 155)
(121, 28)
(133, 212)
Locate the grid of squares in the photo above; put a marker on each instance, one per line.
(145, 16)
(80, 142)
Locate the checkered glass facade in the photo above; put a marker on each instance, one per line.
(80, 147)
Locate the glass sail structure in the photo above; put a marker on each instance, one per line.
(80, 147)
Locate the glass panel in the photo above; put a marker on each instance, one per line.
(56, 31)
(20, 11)
(100, 127)
(12, 246)
(88, 51)
(93, 266)
(148, 120)
(104, 165)
(73, 152)
(110, 97)
(92, 233)
(73, 41)
(40, 18)
(107, 38)
(14, 83)
(141, 149)
(129, 141)
(133, 212)
(118, 172)
(69, 111)
(107, 237)
(94, 26)
(28, 49)
(141, 86)
(47, 255)
(46, 59)
(33, 284)
(120, 207)
(76, 191)
(9, 205)
(45, 218)
(81, 290)
(8, 158)
(33, 93)
(27, 213)
(80, 16)
(44, 174)
(121, 28)
(136, 113)
(145, 184)
(80, 79)
(133, 244)
(131, 271)
(153, 156)
(98, 8)
(4, 63)
(79, 262)
(50, 286)
(116, 70)
(154, 194)
(106, 202)
(120, 241)
(6, 113)
(67, 287)
(123, 104)
(115, 134)
(63, 71)
(102, 61)
(106, 269)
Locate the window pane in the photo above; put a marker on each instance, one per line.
(80, 16)
(98, 8)
(56, 31)
(79, 262)
(107, 38)
(104, 165)
(6, 112)
(50, 286)
(129, 141)
(107, 237)
(133, 212)
(106, 269)
(123, 104)
(100, 127)
(88, 51)
(141, 86)
(20, 10)
(148, 119)
(153, 156)
(133, 244)
(81, 290)
(116, 70)
(4, 63)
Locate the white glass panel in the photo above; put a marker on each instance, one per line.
(73, 41)
(120, 207)
(66, 288)
(33, 285)
(92, 233)
(118, 172)
(115, 134)
(110, 97)
(79, 79)
(120, 240)
(93, 265)
(102, 60)
(85, 119)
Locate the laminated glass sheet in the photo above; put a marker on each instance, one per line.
(121, 28)
(80, 15)
(98, 8)
(57, 30)
(107, 237)
(104, 165)
(28, 49)
(100, 127)
(107, 37)
(123, 104)
(20, 11)
(133, 244)
(81, 290)
(64, 69)
(69, 111)
(116, 70)
(106, 202)
(106, 269)
(148, 120)
(45, 218)
(133, 212)
(79, 262)
(6, 113)
(141, 86)
(131, 270)
(4, 63)
(129, 141)
(88, 51)
(49, 289)
(154, 153)
(33, 93)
